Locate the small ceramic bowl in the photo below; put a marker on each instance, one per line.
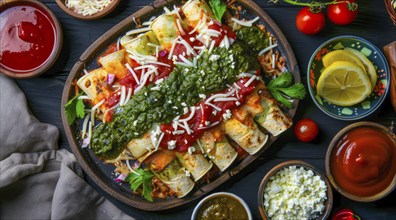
(345, 133)
(220, 194)
(377, 96)
(329, 193)
(57, 46)
(107, 10)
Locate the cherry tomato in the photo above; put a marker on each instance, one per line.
(306, 130)
(309, 22)
(342, 13)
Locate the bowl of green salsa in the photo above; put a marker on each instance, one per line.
(222, 205)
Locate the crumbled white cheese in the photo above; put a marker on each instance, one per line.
(191, 150)
(295, 193)
(171, 145)
(227, 115)
(214, 57)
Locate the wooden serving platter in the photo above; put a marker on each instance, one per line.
(102, 174)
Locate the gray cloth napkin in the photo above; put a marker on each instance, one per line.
(37, 181)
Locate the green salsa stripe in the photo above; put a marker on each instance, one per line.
(183, 85)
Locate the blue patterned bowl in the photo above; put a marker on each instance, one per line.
(377, 96)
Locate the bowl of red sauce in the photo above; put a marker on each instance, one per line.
(31, 38)
(361, 161)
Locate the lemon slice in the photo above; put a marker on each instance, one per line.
(343, 83)
(341, 55)
(367, 65)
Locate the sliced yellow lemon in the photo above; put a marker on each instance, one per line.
(368, 65)
(341, 55)
(343, 83)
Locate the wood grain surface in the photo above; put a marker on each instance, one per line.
(372, 23)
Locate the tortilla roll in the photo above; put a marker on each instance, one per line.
(266, 111)
(195, 163)
(114, 63)
(140, 44)
(171, 173)
(216, 146)
(196, 11)
(166, 29)
(243, 130)
(141, 148)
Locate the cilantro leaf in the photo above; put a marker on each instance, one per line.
(136, 183)
(280, 98)
(218, 8)
(147, 188)
(283, 80)
(295, 91)
(74, 108)
(141, 177)
(282, 89)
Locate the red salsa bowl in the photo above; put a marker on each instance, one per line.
(361, 161)
(31, 38)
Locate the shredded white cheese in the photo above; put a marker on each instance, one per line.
(245, 23)
(87, 7)
(267, 49)
(138, 31)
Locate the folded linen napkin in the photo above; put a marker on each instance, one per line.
(37, 181)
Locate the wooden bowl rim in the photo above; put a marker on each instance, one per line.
(299, 163)
(333, 144)
(55, 52)
(107, 10)
(391, 11)
(121, 28)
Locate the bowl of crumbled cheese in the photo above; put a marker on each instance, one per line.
(295, 190)
(88, 9)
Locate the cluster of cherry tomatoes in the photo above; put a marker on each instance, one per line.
(311, 20)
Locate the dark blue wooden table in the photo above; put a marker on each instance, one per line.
(372, 23)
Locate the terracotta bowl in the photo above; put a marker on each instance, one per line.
(107, 10)
(334, 144)
(58, 40)
(214, 195)
(298, 163)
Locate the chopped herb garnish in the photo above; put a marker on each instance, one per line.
(218, 8)
(141, 177)
(74, 108)
(282, 90)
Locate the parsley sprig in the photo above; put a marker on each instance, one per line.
(141, 177)
(282, 89)
(218, 8)
(74, 109)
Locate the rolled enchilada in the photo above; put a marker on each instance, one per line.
(168, 169)
(166, 29)
(195, 163)
(243, 130)
(216, 146)
(196, 11)
(140, 44)
(142, 147)
(266, 111)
